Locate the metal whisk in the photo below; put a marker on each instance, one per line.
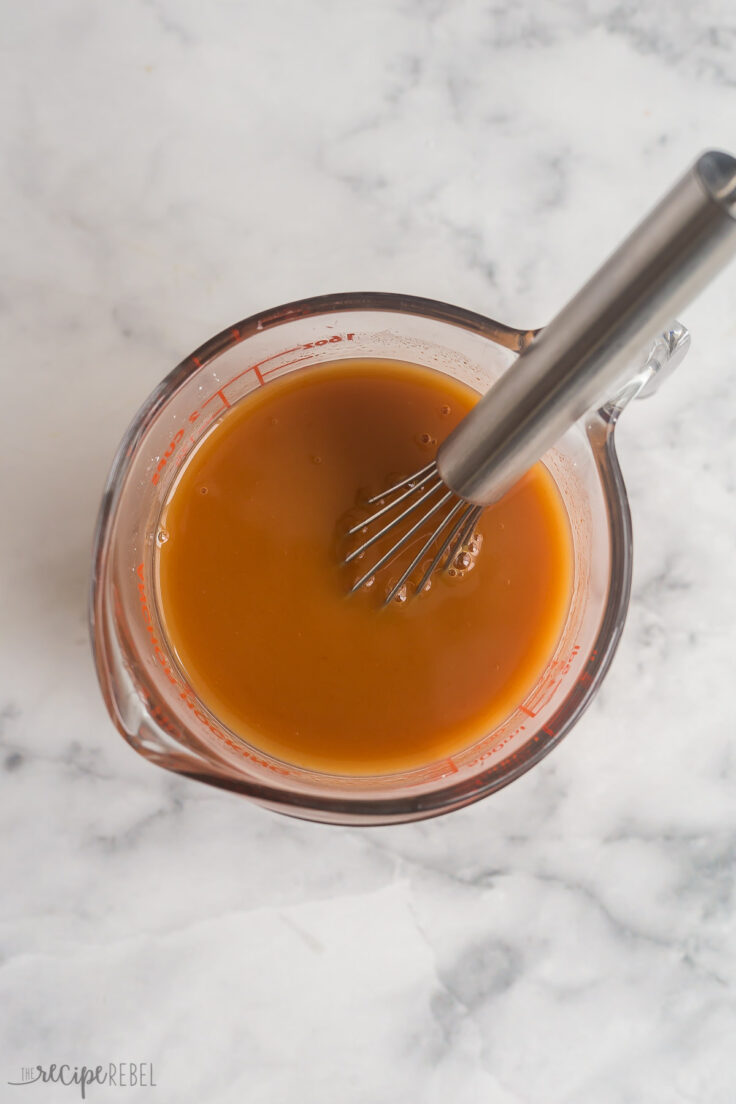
(464, 515)
(670, 257)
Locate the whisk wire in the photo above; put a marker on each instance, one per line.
(399, 543)
(438, 485)
(410, 479)
(461, 524)
(425, 548)
(417, 482)
(471, 516)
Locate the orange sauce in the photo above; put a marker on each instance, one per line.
(256, 605)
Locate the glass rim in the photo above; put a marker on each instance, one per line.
(369, 809)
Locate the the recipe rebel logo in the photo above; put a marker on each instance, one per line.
(121, 1075)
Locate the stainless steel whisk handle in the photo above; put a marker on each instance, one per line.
(670, 257)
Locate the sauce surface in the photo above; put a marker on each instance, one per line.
(255, 602)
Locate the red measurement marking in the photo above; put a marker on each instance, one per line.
(327, 341)
(528, 712)
(260, 375)
(193, 417)
(215, 394)
(548, 730)
(284, 352)
(167, 455)
(568, 664)
(185, 693)
(256, 369)
(148, 622)
(286, 364)
(161, 718)
(498, 746)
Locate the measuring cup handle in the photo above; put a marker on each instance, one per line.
(666, 352)
(587, 347)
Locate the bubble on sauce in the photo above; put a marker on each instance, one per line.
(316, 459)
(401, 594)
(466, 557)
(273, 421)
(425, 440)
(369, 582)
(203, 490)
(445, 410)
(162, 535)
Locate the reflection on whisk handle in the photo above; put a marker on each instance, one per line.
(575, 360)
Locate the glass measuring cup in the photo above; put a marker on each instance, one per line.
(148, 695)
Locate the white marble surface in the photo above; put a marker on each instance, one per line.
(168, 168)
